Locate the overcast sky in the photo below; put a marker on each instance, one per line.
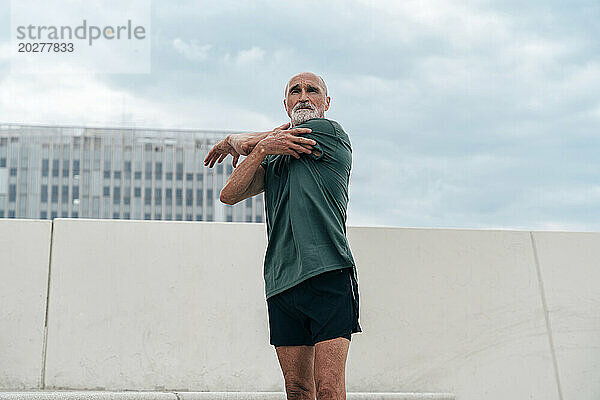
(480, 114)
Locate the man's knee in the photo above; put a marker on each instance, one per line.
(330, 392)
(299, 390)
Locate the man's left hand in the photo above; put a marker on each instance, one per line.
(219, 152)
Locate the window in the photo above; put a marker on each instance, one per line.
(199, 197)
(75, 214)
(54, 194)
(126, 215)
(189, 217)
(147, 196)
(178, 218)
(53, 214)
(65, 194)
(148, 174)
(107, 174)
(75, 167)
(189, 176)
(157, 216)
(169, 176)
(137, 192)
(146, 215)
(127, 166)
(13, 172)
(158, 196)
(106, 191)
(12, 192)
(189, 197)
(54, 167)
(126, 200)
(179, 197)
(3, 164)
(116, 215)
(138, 175)
(117, 174)
(65, 167)
(43, 214)
(44, 194)
(11, 213)
(117, 195)
(75, 192)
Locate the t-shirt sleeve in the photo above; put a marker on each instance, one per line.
(325, 135)
(265, 162)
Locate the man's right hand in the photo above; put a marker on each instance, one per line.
(287, 141)
(244, 143)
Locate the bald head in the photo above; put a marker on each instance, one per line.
(305, 98)
(306, 75)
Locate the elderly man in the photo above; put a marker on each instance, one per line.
(310, 275)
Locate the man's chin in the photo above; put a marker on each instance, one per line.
(301, 117)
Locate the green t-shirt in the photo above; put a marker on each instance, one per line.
(305, 202)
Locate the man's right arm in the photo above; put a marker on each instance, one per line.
(247, 180)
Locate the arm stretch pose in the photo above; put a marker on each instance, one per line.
(311, 284)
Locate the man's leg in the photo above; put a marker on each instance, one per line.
(330, 368)
(297, 365)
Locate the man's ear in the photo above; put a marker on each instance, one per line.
(327, 100)
(285, 106)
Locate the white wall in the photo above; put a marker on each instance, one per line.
(177, 305)
(24, 257)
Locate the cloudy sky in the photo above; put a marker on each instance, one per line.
(479, 114)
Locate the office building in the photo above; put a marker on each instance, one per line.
(116, 173)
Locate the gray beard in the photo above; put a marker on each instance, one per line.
(303, 115)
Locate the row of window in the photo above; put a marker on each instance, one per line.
(126, 215)
(12, 195)
(189, 176)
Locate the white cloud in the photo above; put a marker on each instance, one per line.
(192, 51)
(85, 100)
(250, 56)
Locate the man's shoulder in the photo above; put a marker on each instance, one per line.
(323, 125)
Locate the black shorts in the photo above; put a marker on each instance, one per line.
(319, 308)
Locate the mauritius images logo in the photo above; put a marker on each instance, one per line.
(85, 32)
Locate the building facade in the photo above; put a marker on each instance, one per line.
(115, 173)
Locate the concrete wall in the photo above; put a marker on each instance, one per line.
(163, 305)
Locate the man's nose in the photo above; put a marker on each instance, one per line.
(304, 96)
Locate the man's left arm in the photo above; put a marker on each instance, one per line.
(240, 144)
(326, 139)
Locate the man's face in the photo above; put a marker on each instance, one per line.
(305, 98)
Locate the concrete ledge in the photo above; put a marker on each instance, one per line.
(101, 395)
